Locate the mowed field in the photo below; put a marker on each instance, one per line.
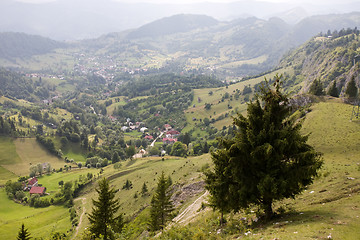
(18, 155)
(41, 222)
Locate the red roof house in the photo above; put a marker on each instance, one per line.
(38, 190)
(33, 182)
(169, 140)
(149, 137)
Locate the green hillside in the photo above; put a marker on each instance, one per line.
(330, 59)
(21, 45)
(329, 207)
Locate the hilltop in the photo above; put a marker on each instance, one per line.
(183, 43)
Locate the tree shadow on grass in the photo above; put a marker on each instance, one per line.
(295, 218)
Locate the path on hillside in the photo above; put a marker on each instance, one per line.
(81, 216)
(191, 211)
(188, 214)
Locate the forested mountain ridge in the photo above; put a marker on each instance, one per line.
(174, 24)
(228, 50)
(332, 57)
(21, 45)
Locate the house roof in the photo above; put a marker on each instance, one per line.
(169, 140)
(37, 190)
(173, 132)
(149, 137)
(32, 181)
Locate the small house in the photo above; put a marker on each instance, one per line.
(32, 183)
(143, 129)
(169, 140)
(37, 190)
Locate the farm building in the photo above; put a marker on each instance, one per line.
(38, 190)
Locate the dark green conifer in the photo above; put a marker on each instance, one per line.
(333, 91)
(23, 233)
(351, 89)
(103, 217)
(316, 88)
(161, 205)
(267, 160)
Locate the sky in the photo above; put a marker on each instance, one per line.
(195, 1)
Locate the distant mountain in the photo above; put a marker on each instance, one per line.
(19, 45)
(185, 43)
(313, 25)
(174, 24)
(82, 19)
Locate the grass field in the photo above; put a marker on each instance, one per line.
(181, 171)
(220, 107)
(17, 155)
(41, 222)
(328, 209)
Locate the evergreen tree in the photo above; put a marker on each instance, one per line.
(127, 185)
(144, 189)
(102, 218)
(115, 157)
(351, 89)
(161, 205)
(333, 91)
(23, 233)
(316, 88)
(267, 160)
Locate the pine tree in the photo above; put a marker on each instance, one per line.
(102, 218)
(144, 189)
(333, 91)
(267, 160)
(351, 89)
(316, 88)
(23, 233)
(161, 205)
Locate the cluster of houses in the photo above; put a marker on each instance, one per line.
(170, 135)
(33, 187)
(130, 126)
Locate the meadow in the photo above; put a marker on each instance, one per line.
(328, 209)
(18, 155)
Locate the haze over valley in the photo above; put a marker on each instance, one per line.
(179, 120)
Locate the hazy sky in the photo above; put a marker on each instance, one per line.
(193, 1)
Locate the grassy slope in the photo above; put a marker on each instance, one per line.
(218, 108)
(17, 155)
(328, 207)
(40, 221)
(146, 170)
(48, 220)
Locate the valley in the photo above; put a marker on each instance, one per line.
(162, 99)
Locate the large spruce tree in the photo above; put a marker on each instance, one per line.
(267, 160)
(333, 91)
(161, 205)
(23, 233)
(103, 217)
(351, 89)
